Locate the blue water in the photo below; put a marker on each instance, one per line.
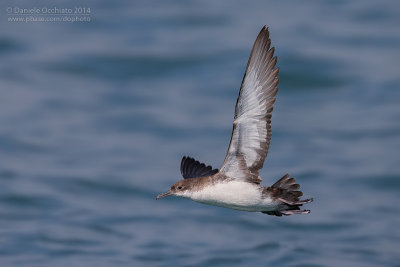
(95, 117)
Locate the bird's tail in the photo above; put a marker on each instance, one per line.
(286, 192)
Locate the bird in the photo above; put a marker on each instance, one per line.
(237, 184)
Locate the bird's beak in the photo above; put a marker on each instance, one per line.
(164, 195)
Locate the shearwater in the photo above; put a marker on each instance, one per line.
(237, 184)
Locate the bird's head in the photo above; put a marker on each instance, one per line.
(179, 188)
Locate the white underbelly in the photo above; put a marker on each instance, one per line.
(235, 195)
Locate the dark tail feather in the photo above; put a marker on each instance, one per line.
(286, 191)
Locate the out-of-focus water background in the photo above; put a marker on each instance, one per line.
(95, 117)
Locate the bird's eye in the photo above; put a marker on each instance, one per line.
(179, 187)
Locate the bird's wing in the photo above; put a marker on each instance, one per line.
(191, 168)
(251, 132)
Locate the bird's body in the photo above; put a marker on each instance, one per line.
(237, 184)
(235, 195)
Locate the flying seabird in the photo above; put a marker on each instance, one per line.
(237, 184)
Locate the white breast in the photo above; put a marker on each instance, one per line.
(234, 195)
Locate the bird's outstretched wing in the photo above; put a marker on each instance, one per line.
(251, 132)
(191, 168)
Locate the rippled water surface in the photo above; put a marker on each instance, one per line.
(95, 117)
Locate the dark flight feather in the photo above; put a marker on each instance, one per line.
(191, 168)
